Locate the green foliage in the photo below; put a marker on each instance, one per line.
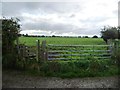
(116, 58)
(9, 60)
(69, 69)
(74, 68)
(109, 33)
(28, 65)
(10, 29)
(96, 65)
(118, 32)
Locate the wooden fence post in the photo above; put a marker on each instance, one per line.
(116, 46)
(44, 51)
(21, 52)
(93, 51)
(38, 51)
(111, 47)
(24, 52)
(17, 42)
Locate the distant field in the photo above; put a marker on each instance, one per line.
(31, 41)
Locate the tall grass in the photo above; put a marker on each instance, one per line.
(72, 69)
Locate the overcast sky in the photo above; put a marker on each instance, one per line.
(85, 17)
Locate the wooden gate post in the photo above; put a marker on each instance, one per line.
(24, 52)
(21, 53)
(44, 51)
(17, 42)
(111, 47)
(116, 46)
(38, 51)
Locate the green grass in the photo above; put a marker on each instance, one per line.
(31, 41)
(73, 69)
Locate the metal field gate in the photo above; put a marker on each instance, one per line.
(48, 52)
(78, 52)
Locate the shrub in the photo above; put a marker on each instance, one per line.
(10, 30)
(96, 65)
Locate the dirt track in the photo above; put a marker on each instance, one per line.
(18, 80)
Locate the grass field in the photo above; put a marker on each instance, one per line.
(31, 41)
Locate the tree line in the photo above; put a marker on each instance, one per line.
(26, 35)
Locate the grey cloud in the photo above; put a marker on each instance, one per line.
(72, 15)
(59, 7)
(57, 28)
(49, 26)
(11, 9)
(119, 13)
(94, 19)
(32, 5)
(116, 12)
(16, 8)
(94, 31)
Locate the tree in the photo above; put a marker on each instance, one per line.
(109, 33)
(26, 35)
(53, 36)
(43, 36)
(95, 36)
(85, 37)
(79, 36)
(118, 32)
(10, 30)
